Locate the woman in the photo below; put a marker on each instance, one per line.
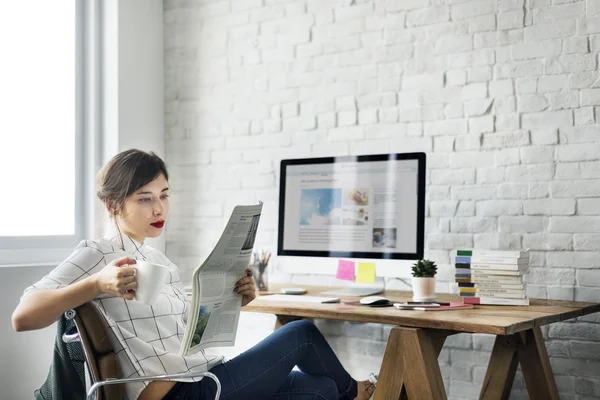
(134, 188)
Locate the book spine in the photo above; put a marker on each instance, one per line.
(493, 286)
(496, 301)
(463, 265)
(518, 286)
(462, 271)
(497, 272)
(499, 290)
(487, 293)
(462, 260)
(492, 281)
(462, 280)
(499, 260)
(509, 267)
(500, 253)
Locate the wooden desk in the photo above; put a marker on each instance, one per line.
(410, 368)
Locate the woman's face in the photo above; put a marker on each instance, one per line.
(145, 211)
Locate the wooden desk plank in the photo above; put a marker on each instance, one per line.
(498, 320)
(459, 320)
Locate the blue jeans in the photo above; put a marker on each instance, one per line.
(265, 371)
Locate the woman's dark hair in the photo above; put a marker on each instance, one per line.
(125, 173)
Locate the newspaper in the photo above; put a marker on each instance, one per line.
(215, 308)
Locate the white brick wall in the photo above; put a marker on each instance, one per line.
(503, 95)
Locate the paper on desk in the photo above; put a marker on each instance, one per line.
(366, 273)
(345, 270)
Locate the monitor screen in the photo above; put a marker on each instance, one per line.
(370, 206)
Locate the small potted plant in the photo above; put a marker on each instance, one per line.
(423, 281)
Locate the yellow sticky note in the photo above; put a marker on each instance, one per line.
(366, 273)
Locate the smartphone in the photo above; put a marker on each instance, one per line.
(424, 303)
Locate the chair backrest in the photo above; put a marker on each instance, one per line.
(99, 353)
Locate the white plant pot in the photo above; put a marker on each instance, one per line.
(423, 289)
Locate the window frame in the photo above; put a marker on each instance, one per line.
(50, 249)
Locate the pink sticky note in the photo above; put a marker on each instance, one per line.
(345, 270)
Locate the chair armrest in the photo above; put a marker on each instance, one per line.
(114, 381)
(70, 338)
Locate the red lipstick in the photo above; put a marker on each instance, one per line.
(158, 224)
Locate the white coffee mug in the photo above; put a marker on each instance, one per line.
(150, 279)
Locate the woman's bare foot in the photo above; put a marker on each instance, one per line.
(365, 390)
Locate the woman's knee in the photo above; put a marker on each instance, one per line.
(327, 388)
(304, 325)
(302, 332)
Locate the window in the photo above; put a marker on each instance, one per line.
(40, 156)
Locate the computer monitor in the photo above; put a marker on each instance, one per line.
(368, 206)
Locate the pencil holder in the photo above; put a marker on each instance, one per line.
(258, 264)
(259, 272)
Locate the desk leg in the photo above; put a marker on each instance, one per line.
(501, 369)
(529, 349)
(284, 319)
(536, 367)
(390, 382)
(410, 368)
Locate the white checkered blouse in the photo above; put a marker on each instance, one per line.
(146, 338)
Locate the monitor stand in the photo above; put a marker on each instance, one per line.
(359, 290)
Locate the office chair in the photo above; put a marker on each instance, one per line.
(101, 359)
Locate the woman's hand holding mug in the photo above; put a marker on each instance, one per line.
(118, 278)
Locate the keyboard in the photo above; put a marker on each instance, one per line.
(299, 298)
(353, 291)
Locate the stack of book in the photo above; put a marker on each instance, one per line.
(492, 276)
